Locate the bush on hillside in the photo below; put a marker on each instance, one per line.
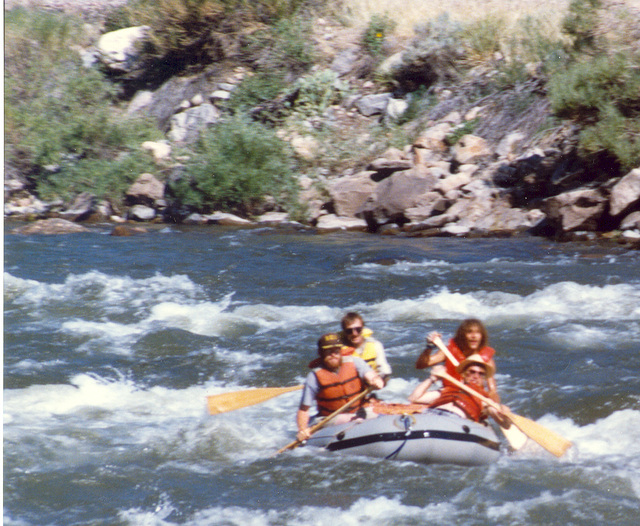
(197, 32)
(600, 87)
(378, 28)
(60, 126)
(234, 166)
(603, 95)
(279, 54)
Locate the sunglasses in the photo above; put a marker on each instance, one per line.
(354, 330)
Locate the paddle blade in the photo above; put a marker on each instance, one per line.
(549, 440)
(226, 402)
(516, 438)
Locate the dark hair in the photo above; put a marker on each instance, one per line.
(350, 317)
(467, 324)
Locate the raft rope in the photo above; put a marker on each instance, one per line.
(406, 420)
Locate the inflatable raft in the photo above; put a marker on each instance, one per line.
(433, 436)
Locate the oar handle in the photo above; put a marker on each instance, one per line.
(440, 345)
(326, 420)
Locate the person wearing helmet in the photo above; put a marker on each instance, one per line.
(337, 380)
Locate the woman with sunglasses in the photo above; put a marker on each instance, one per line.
(358, 342)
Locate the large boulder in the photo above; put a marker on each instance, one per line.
(349, 194)
(146, 190)
(577, 210)
(397, 193)
(119, 50)
(625, 194)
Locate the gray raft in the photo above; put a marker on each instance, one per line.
(434, 436)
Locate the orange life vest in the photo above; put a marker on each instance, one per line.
(336, 389)
(486, 353)
(471, 406)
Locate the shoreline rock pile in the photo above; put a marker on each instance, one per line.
(435, 186)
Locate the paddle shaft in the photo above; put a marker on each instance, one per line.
(326, 420)
(440, 345)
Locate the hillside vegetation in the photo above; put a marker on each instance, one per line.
(67, 130)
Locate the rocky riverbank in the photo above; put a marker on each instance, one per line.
(477, 167)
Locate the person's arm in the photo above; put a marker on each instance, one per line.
(367, 374)
(384, 369)
(373, 379)
(420, 390)
(302, 419)
(426, 359)
(492, 387)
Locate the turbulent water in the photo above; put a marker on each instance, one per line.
(111, 345)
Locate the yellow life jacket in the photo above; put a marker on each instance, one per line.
(367, 351)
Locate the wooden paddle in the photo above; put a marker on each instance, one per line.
(549, 440)
(325, 420)
(225, 402)
(514, 436)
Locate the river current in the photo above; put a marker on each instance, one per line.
(111, 345)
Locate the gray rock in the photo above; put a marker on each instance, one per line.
(118, 50)
(631, 222)
(50, 227)
(141, 213)
(187, 125)
(145, 190)
(577, 210)
(373, 104)
(349, 194)
(625, 193)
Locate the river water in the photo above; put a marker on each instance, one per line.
(111, 345)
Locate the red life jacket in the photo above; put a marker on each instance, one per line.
(471, 406)
(486, 353)
(336, 389)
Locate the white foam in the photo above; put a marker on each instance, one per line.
(558, 302)
(381, 510)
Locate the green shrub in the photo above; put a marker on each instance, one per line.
(483, 37)
(378, 28)
(256, 89)
(61, 124)
(460, 131)
(234, 166)
(104, 178)
(434, 54)
(603, 94)
(318, 91)
(201, 31)
(581, 23)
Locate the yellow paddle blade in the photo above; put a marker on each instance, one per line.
(549, 440)
(225, 402)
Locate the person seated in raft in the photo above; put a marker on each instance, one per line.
(334, 383)
(474, 373)
(471, 338)
(358, 342)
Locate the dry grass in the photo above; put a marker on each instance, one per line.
(408, 13)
